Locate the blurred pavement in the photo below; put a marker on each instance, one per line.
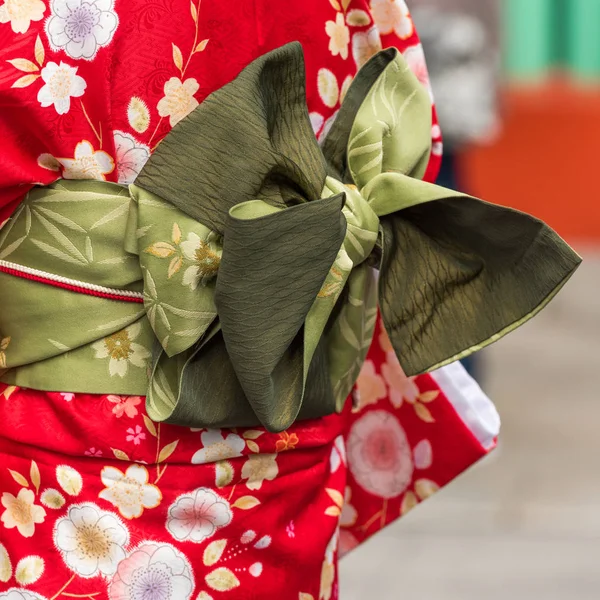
(525, 523)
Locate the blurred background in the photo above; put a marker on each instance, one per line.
(517, 84)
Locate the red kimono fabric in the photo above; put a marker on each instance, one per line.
(96, 500)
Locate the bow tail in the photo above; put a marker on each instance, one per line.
(458, 273)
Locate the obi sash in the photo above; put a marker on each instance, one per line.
(237, 281)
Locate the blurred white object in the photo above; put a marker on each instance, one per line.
(463, 69)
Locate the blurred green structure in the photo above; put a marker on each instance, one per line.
(541, 36)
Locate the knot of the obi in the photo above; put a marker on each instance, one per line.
(264, 254)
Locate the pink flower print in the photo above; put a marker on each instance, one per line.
(67, 397)
(135, 435)
(93, 452)
(291, 530)
(125, 405)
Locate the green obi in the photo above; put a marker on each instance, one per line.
(236, 283)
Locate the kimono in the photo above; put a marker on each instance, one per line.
(100, 498)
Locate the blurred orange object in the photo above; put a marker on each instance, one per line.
(546, 159)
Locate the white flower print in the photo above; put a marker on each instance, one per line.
(423, 455)
(61, 83)
(258, 468)
(197, 516)
(338, 454)
(217, 447)
(81, 27)
(91, 540)
(129, 492)
(29, 570)
(392, 16)
(6, 569)
(316, 121)
(20, 594)
(52, 499)
(339, 36)
(205, 256)
(379, 454)
(327, 127)
(87, 163)
(22, 512)
(365, 45)
(178, 100)
(130, 156)
(153, 571)
(20, 13)
(121, 350)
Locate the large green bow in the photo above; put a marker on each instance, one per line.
(284, 240)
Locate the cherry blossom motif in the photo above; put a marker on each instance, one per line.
(91, 541)
(365, 45)
(136, 435)
(339, 36)
(205, 256)
(217, 447)
(130, 156)
(401, 387)
(259, 468)
(129, 492)
(392, 16)
(93, 452)
(178, 101)
(290, 530)
(379, 454)
(20, 13)
(197, 516)
(153, 571)
(287, 441)
(125, 405)
(81, 27)
(61, 84)
(122, 350)
(87, 163)
(22, 512)
(370, 387)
